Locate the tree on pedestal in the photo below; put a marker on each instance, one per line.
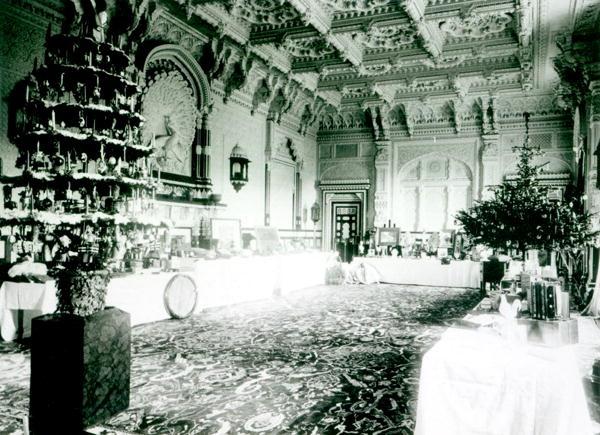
(85, 195)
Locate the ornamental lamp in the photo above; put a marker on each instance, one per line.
(238, 167)
(315, 212)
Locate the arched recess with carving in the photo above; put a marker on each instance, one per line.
(175, 102)
(429, 190)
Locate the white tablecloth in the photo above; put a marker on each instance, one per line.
(37, 299)
(424, 271)
(474, 383)
(219, 282)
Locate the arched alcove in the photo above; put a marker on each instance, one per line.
(429, 191)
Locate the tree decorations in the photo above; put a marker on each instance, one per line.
(520, 216)
(86, 192)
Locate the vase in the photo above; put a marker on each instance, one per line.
(80, 370)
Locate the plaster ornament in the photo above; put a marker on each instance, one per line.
(389, 37)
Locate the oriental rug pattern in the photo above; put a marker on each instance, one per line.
(327, 360)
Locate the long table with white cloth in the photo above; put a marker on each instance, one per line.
(219, 282)
(475, 383)
(423, 271)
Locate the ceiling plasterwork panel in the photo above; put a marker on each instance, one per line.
(313, 47)
(359, 52)
(476, 25)
(355, 5)
(265, 12)
(388, 37)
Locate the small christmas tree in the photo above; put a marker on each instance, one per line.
(520, 215)
(86, 189)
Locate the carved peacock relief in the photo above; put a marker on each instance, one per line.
(169, 107)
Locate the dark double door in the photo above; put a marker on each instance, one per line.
(346, 224)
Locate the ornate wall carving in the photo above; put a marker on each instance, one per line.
(429, 191)
(170, 109)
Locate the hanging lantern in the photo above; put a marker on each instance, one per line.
(315, 212)
(238, 167)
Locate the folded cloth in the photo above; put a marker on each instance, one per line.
(27, 267)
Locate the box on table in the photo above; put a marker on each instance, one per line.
(551, 332)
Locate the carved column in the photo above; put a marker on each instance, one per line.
(298, 202)
(490, 163)
(268, 148)
(593, 153)
(383, 191)
(202, 157)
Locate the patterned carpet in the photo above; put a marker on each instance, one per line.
(328, 360)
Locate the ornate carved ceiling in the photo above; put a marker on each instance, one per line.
(359, 52)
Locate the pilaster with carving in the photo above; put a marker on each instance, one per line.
(490, 163)
(383, 172)
(203, 155)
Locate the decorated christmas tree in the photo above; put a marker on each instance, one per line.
(521, 216)
(82, 203)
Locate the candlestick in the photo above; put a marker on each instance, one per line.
(27, 159)
(27, 93)
(38, 146)
(53, 120)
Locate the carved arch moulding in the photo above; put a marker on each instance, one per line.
(188, 66)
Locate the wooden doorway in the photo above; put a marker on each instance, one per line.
(346, 225)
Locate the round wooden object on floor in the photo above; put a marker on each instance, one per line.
(180, 296)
